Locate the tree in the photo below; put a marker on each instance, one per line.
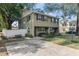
(68, 10)
(7, 11)
(2, 23)
(11, 12)
(39, 10)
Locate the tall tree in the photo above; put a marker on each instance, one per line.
(68, 10)
(11, 12)
(7, 11)
(2, 23)
(39, 10)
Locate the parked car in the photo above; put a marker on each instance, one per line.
(71, 32)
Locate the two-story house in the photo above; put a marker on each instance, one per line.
(37, 23)
(72, 25)
(63, 26)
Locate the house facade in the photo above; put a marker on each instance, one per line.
(63, 26)
(72, 26)
(37, 23)
(67, 26)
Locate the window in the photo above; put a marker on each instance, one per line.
(41, 17)
(64, 24)
(38, 17)
(51, 20)
(45, 17)
(56, 20)
(28, 18)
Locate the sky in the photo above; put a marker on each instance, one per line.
(41, 6)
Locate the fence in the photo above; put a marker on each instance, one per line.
(12, 33)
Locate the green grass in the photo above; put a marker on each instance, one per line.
(66, 40)
(59, 41)
(73, 45)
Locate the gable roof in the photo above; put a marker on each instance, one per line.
(30, 12)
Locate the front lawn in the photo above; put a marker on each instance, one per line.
(66, 40)
(73, 45)
(59, 41)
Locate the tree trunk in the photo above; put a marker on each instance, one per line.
(77, 28)
(6, 19)
(9, 22)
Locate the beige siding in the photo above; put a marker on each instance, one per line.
(25, 13)
(26, 24)
(46, 23)
(37, 23)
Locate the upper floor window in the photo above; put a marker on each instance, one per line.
(55, 20)
(64, 24)
(45, 17)
(41, 17)
(28, 18)
(51, 20)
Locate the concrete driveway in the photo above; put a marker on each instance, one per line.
(38, 47)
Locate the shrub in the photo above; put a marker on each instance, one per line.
(42, 34)
(59, 41)
(49, 35)
(74, 41)
(59, 34)
(28, 35)
(48, 39)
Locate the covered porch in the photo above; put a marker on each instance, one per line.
(44, 30)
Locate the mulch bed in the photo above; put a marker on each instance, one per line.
(3, 50)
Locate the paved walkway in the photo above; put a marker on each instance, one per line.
(37, 47)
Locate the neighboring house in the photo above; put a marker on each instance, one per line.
(37, 23)
(15, 25)
(63, 26)
(72, 26)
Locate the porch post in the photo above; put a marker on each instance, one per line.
(49, 30)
